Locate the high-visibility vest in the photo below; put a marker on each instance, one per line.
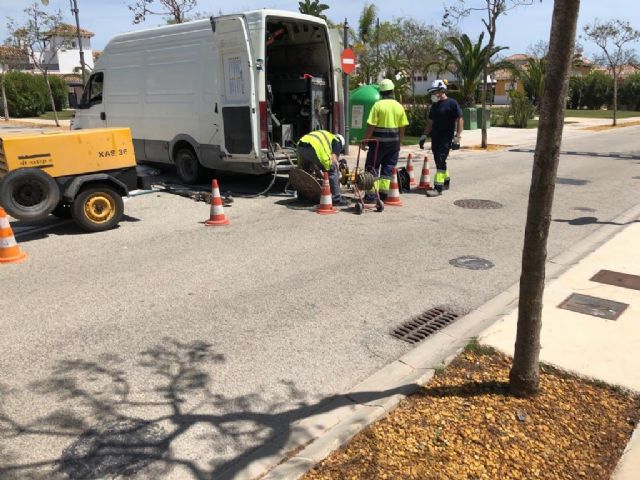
(321, 141)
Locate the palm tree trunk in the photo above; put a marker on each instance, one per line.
(53, 103)
(524, 376)
(5, 105)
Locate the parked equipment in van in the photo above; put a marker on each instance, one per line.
(232, 93)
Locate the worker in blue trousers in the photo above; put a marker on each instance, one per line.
(386, 123)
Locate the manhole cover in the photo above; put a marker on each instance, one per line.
(618, 279)
(477, 204)
(571, 181)
(597, 307)
(471, 263)
(114, 449)
(420, 327)
(584, 209)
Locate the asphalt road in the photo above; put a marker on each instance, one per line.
(164, 339)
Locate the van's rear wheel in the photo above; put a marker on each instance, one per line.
(29, 194)
(97, 208)
(188, 166)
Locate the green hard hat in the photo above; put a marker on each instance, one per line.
(386, 85)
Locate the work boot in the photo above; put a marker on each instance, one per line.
(447, 182)
(341, 202)
(436, 192)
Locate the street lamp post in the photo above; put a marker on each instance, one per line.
(74, 10)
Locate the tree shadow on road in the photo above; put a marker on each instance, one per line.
(146, 420)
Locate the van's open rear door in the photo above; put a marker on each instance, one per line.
(237, 98)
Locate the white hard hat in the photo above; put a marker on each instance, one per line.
(341, 139)
(438, 85)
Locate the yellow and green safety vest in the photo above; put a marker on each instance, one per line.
(321, 141)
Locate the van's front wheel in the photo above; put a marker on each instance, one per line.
(188, 166)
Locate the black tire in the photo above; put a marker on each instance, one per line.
(29, 194)
(62, 210)
(97, 208)
(359, 208)
(379, 206)
(188, 166)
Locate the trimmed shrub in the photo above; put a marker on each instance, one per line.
(629, 92)
(417, 116)
(522, 109)
(26, 94)
(60, 92)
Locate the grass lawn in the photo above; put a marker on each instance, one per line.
(601, 113)
(63, 115)
(409, 140)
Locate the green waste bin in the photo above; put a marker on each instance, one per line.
(361, 100)
(470, 118)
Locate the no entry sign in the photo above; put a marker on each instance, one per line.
(348, 61)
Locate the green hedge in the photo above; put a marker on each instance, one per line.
(27, 94)
(629, 92)
(417, 116)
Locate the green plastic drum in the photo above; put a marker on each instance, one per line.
(361, 101)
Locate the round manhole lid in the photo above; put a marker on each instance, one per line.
(472, 262)
(477, 204)
(114, 448)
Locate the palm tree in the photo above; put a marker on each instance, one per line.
(364, 43)
(532, 77)
(466, 59)
(313, 7)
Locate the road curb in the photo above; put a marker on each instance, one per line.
(315, 437)
(629, 463)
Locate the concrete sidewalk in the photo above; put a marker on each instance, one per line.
(588, 344)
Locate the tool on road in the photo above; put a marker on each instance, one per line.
(9, 250)
(412, 178)
(81, 174)
(326, 204)
(217, 217)
(365, 181)
(393, 198)
(425, 178)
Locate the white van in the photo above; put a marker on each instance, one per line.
(232, 93)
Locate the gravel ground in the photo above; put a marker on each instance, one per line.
(464, 425)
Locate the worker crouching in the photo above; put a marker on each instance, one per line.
(386, 124)
(318, 151)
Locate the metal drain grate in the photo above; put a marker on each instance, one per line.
(477, 204)
(618, 279)
(584, 209)
(424, 325)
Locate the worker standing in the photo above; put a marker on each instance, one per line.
(445, 124)
(386, 123)
(319, 150)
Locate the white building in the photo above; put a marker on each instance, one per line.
(66, 51)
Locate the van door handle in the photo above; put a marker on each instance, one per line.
(103, 116)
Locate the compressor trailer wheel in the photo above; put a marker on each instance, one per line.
(97, 208)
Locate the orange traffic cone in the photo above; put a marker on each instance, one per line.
(9, 250)
(326, 205)
(217, 217)
(425, 178)
(412, 178)
(393, 198)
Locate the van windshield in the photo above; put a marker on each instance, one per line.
(92, 94)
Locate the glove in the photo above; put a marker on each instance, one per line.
(455, 144)
(423, 139)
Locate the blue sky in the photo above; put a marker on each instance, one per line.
(522, 27)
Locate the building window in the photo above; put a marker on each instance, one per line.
(74, 44)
